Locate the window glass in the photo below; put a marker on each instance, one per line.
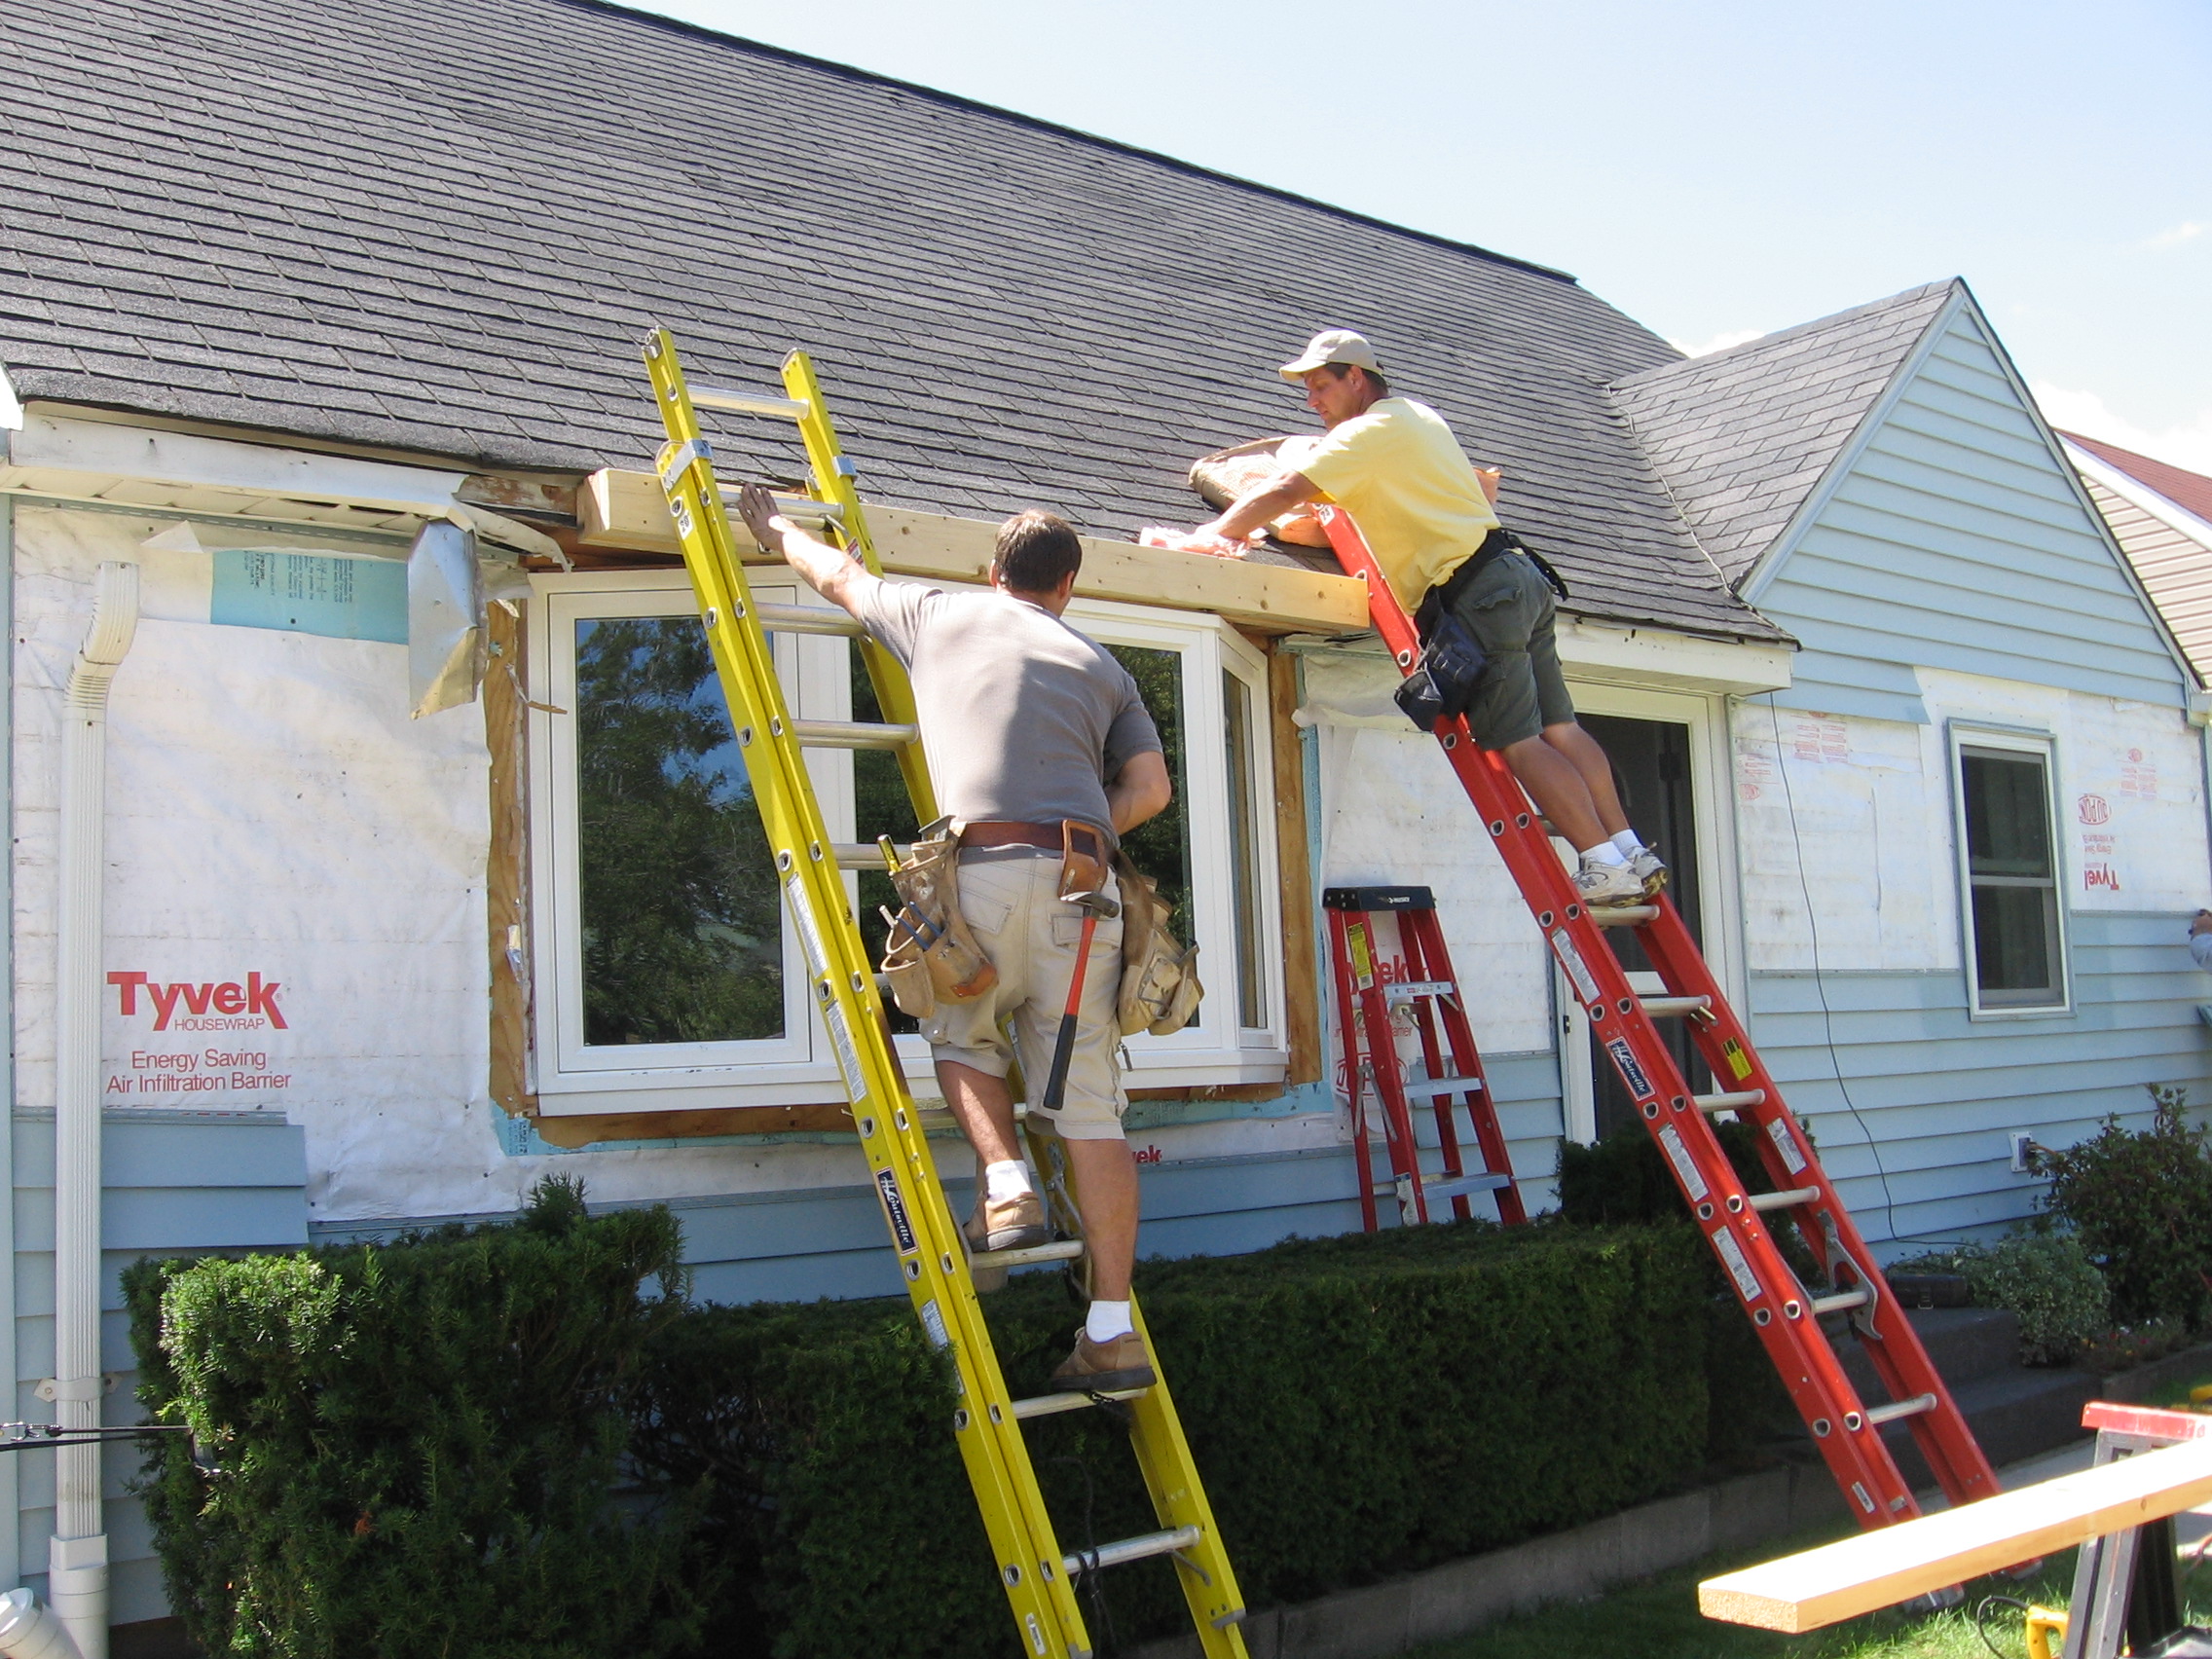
(2011, 878)
(1162, 848)
(682, 925)
(1243, 851)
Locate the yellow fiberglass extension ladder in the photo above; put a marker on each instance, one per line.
(1039, 1577)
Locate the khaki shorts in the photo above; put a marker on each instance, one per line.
(1009, 897)
(1509, 606)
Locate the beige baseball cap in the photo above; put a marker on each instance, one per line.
(1332, 346)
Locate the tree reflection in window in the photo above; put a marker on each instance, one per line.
(683, 923)
(1162, 848)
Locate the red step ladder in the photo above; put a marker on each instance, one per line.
(1367, 1000)
(1787, 1315)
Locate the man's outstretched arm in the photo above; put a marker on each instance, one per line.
(1140, 790)
(834, 574)
(1261, 506)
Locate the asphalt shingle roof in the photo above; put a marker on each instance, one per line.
(444, 225)
(2192, 490)
(1741, 437)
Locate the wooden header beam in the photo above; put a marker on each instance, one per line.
(1895, 1563)
(625, 511)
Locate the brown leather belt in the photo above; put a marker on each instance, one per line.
(1009, 835)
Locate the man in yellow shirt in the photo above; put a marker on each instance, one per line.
(1395, 468)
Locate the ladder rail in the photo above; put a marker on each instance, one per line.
(1347, 1037)
(1764, 1283)
(833, 474)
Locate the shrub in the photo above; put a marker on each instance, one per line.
(1358, 1406)
(2141, 1202)
(413, 1450)
(2044, 1277)
(504, 1441)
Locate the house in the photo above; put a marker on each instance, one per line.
(2162, 516)
(365, 970)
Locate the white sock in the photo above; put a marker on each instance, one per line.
(1006, 1180)
(1628, 843)
(1604, 853)
(1107, 1320)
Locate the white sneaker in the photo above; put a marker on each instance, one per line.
(1607, 887)
(1649, 867)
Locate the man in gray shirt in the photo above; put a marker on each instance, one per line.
(1026, 722)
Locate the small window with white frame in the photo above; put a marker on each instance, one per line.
(668, 976)
(2012, 888)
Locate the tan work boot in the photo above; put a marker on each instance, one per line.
(1104, 1368)
(1015, 1224)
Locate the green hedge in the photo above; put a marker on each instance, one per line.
(1358, 1406)
(494, 1442)
(415, 1450)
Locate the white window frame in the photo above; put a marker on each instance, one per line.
(573, 1078)
(2043, 745)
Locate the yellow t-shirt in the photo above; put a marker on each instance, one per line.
(1401, 474)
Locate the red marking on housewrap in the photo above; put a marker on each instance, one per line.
(236, 1008)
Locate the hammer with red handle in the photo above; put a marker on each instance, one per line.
(1083, 873)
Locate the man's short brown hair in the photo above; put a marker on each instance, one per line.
(1036, 550)
(1374, 376)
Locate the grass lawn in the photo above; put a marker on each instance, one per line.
(1657, 1618)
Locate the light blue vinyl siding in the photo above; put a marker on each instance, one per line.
(832, 1242)
(177, 1183)
(1941, 1093)
(1955, 540)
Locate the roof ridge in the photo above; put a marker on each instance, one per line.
(1767, 342)
(682, 25)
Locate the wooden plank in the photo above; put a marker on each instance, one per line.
(584, 1129)
(1880, 1568)
(506, 885)
(1302, 985)
(625, 511)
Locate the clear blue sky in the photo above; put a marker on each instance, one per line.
(1717, 169)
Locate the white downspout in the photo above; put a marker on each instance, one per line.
(76, 1555)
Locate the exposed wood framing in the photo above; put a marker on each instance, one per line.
(506, 885)
(626, 511)
(580, 1132)
(1302, 993)
(1881, 1568)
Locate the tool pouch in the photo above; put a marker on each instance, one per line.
(952, 968)
(1083, 860)
(1159, 980)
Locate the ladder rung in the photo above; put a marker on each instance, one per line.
(1669, 1008)
(852, 734)
(1730, 1101)
(1059, 1250)
(1430, 1088)
(1624, 915)
(1782, 1200)
(1454, 1186)
(799, 509)
(1406, 990)
(806, 619)
(1048, 1405)
(1842, 1300)
(1127, 1550)
(750, 403)
(1876, 1416)
(864, 855)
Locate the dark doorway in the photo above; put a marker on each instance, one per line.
(1652, 769)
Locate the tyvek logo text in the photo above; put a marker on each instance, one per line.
(211, 1006)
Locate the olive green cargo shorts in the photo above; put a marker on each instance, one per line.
(1508, 608)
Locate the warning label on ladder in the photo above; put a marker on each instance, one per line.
(1578, 970)
(810, 936)
(1732, 1253)
(1786, 1143)
(1685, 1166)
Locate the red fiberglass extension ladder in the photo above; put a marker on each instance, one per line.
(1786, 1313)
